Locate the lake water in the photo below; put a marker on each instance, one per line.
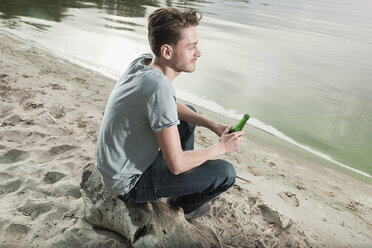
(302, 69)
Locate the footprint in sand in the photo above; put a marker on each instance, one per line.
(14, 135)
(67, 189)
(13, 156)
(5, 176)
(56, 150)
(51, 177)
(34, 137)
(289, 198)
(34, 209)
(74, 191)
(14, 233)
(73, 237)
(20, 136)
(12, 121)
(10, 186)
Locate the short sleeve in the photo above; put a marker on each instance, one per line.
(162, 110)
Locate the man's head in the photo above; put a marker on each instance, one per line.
(172, 35)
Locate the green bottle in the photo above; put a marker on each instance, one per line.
(241, 124)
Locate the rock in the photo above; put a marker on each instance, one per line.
(152, 224)
(282, 223)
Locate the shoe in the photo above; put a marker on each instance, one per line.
(169, 201)
(199, 212)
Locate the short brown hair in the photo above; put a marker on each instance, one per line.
(165, 25)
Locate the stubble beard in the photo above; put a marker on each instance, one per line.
(182, 66)
(185, 67)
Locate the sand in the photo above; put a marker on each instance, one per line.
(50, 114)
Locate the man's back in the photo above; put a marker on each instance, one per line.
(141, 103)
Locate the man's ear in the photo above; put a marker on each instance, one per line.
(166, 51)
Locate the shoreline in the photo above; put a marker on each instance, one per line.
(322, 158)
(50, 115)
(271, 138)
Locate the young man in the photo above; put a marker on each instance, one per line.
(142, 115)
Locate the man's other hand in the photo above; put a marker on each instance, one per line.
(219, 129)
(231, 141)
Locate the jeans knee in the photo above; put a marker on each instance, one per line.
(230, 173)
(226, 172)
(186, 128)
(190, 126)
(191, 107)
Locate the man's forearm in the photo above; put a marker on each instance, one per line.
(194, 158)
(179, 161)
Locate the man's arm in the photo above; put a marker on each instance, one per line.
(187, 115)
(179, 161)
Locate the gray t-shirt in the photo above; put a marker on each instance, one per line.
(142, 103)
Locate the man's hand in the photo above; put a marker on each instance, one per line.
(219, 128)
(230, 141)
(179, 161)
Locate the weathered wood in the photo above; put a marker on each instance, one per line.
(153, 224)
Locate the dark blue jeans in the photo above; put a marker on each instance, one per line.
(190, 189)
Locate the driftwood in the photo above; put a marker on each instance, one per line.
(152, 224)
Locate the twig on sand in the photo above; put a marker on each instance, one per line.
(243, 179)
(28, 214)
(53, 119)
(71, 216)
(275, 243)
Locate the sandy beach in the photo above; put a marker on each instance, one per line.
(50, 115)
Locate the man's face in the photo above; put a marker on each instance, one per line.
(186, 52)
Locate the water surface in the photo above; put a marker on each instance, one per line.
(301, 69)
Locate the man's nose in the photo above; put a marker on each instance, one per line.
(198, 52)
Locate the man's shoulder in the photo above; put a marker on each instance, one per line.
(145, 77)
(158, 81)
(140, 60)
(144, 57)
(154, 76)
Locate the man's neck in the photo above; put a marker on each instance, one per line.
(168, 71)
